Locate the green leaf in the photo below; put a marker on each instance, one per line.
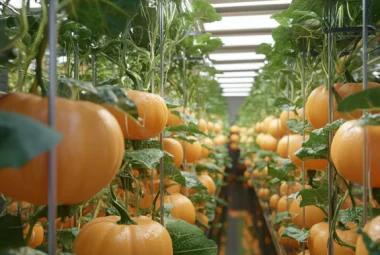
(265, 49)
(260, 165)
(77, 85)
(317, 197)
(299, 235)
(118, 97)
(190, 129)
(192, 181)
(363, 100)
(317, 146)
(298, 126)
(11, 232)
(369, 120)
(173, 103)
(280, 216)
(22, 139)
(355, 214)
(183, 138)
(67, 237)
(104, 16)
(174, 174)
(211, 167)
(210, 213)
(205, 12)
(280, 173)
(22, 251)
(145, 158)
(188, 239)
(284, 104)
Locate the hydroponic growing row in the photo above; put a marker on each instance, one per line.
(131, 149)
(312, 156)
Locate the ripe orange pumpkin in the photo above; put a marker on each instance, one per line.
(282, 147)
(88, 156)
(317, 241)
(174, 147)
(268, 143)
(316, 108)
(202, 125)
(274, 200)
(208, 182)
(286, 115)
(217, 128)
(37, 236)
(287, 241)
(266, 123)
(347, 152)
(373, 231)
(182, 207)
(313, 214)
(174, 120)
(152, 112)
(203, 219)
(234, 129)
(275, 128)
(289, 188)
(108, 235)
(193, 150)
(295, 143)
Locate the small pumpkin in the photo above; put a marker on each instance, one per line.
(123, 235)
(182, 207)
(193, 150)
(88, 156)
(37, 236)
(152, 112)
(174, 147)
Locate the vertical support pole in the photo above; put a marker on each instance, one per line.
(365, 85)
(76, 77)
(153, 89)
(304, 171)
(185, 102)
(161, 27)
(52, 211)
(330, 169)
(94, 69)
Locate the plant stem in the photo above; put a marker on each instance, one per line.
(125, 219)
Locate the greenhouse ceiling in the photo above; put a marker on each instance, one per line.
(244, 26)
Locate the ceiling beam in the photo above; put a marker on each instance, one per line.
(216, 62)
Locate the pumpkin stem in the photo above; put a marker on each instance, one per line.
(311, 174)
(125, 219)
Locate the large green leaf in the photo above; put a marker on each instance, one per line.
(299, 235)
(103, 16)
(205, 12)
(67, 237)
(22, 139)
(174, 174)
(145, 158)
(280, 216)
(317, 197)
(189, 128)
(284, 104)
(211, 167)
(317, 146)
(192, 181)
(188, 239)
(11, 232)
(363, 100)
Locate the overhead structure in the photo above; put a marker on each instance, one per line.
(244, 26)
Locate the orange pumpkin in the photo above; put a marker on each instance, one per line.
(208, 182)
(174, 147)
(182, 207)
(174, 120)
(37, 236)
(108, 235)
(193, 150)
(152, 113)
(88, 156)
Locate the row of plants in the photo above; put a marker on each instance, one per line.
(110, 161)
(288, 152)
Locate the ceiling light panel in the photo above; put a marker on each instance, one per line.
(239, 85)
(235, 80)
(232, 67)
(241, 22)
(236, 74)
(18, 4)
(246, 40)
(256, 3)
(226, 90)
(236, 94)
(237, 56)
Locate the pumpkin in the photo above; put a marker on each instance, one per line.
(152, 113)
(174, 147)
(202, 125)
(208, 182)
(88, 156)
(192, 150)
(372, 229)
(37, 236)
(182, 207)
(347, 152)
(316, 107)
(313, 214)
(287, 241)
(123, 235)
(174, 120)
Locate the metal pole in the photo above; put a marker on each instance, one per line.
(303, 136)
(331, 119)
(94, 69)
(52, 210)
(185, 102)
(161, 25)
(365, 84)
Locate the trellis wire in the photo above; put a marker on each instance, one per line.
(52, 185)
(161, 28)
(365, 83)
